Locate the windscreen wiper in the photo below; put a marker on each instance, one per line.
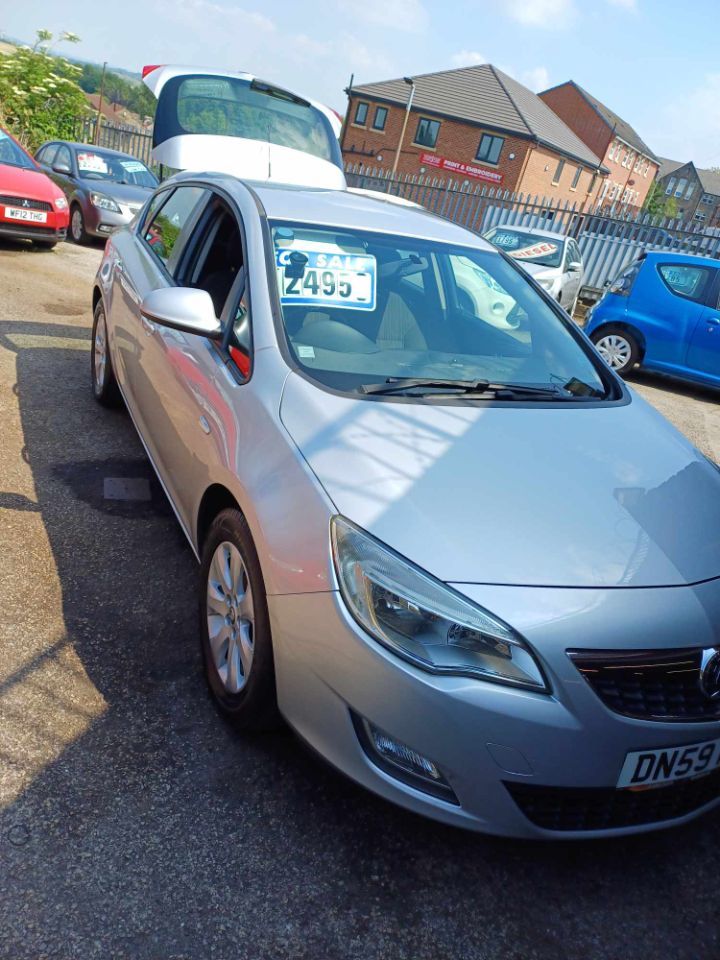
(468, 388)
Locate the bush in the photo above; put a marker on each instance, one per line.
(39, 95)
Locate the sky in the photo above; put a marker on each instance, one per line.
(651, 61)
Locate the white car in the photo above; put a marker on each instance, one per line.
(552, 259)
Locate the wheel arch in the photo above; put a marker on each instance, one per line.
(217, 497)
(96, 297)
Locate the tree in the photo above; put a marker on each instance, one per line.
(657, 204)
(40, 98)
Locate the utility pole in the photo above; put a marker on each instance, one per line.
(411, 82)
(96, 139)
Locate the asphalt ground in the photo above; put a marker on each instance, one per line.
(135, 824)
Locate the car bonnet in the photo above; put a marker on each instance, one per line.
(607, 495)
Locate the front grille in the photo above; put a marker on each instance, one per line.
(649, 684)
(25, 204)
(591, 808)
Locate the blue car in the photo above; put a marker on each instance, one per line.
(662, 312)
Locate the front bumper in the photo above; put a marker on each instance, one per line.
(53, 230)
(484, 737)
(101, 223)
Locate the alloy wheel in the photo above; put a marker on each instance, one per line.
(100, 352)
(76, 225)
(615, 350)
(230, 617)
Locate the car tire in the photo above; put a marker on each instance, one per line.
(618, 348)
(104, 385)
(44, 244)
(77, 231)
(235, 626)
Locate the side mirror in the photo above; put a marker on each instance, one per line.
(62, 168)
(575, 266)
(183, 308)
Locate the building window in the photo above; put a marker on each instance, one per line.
(690, 191)
(380, 118)
(427, 132)
(680, 189)
(709, 199)
(611, 151)
(670, 187)
(576, 178)
(558, 172)
(591, 187)
(489, 149)
(700, 216)
(361, 112)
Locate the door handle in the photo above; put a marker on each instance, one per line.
(714, 321)
(148, 327)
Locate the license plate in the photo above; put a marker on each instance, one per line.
(17, 213)
(649, 768)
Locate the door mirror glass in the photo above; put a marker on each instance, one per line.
(62, 167)
(575, 266)
(184, 309)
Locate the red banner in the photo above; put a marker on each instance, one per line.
(461, 169)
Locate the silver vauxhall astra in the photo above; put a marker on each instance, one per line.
(436, 534)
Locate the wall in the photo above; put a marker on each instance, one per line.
(458, 141)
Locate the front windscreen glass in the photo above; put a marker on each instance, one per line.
(363, 308)
(231, 107)
(528, 247)
(13, 155)
(100, 165)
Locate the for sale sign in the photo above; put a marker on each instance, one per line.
(460, 169)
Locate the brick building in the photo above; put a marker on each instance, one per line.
(475, 124)
(631, 163)
(696, 191)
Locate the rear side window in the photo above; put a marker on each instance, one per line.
(167, 232)
(47, 154)
(685, 280)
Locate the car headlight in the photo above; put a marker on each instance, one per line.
(61, 203)
(104, 203)
(546, 284)
(423, 620)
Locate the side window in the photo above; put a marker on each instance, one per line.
(574, 255)
(167, 232)
(47, 154)
(155, 203)
(686, 281)
(218, 258)
(63, 156)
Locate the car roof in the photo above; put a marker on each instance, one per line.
(93, 146)
(654, 256)
(345, 208)
(533, 231)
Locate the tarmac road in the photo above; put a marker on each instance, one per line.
(135, 824)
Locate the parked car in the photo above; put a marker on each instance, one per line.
(552, 259)
(31, 206)
(105, 188)
(663, 313)
(466, 564)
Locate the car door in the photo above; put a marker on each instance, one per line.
(189, 414)
(144, 261)
(673, 296)
(704, 348)
(571, 278)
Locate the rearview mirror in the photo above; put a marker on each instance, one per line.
(62, 168)
(575, 266)
(183, 308)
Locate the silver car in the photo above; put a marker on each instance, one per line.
(104, 188)
(551, 258)
(465, 562)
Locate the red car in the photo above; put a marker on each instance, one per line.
(31, 205)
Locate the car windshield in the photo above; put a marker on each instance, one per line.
(361, 309)
(13, 155)
(231, 107)
(528, 247)
(100, 165)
